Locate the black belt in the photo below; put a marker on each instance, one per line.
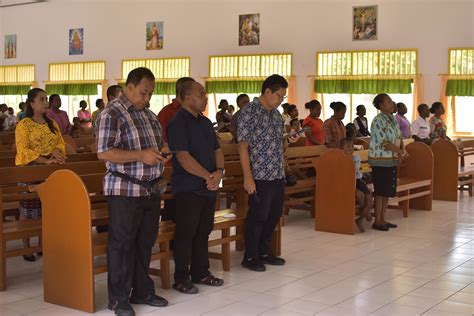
(149, 185)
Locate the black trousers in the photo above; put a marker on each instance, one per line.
(133, 228)
(194, 222)
(265, 209)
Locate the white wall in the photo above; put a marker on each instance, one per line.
(114, 30)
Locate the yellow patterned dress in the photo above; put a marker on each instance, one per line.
(32, 141)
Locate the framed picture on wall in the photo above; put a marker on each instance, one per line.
(10, 46)
(154, 35)
(249, 29)
(364, 23)
(76, 41)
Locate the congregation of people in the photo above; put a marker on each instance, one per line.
(137, 144)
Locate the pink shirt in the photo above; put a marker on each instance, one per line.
(85, 115)
(61, 119)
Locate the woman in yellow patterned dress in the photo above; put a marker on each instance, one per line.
(38, 141)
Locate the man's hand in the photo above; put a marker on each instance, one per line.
(214, 180)
(249, 185)
(166, 153)
(151, 157)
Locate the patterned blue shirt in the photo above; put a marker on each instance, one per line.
(263, 131)
(122, 126)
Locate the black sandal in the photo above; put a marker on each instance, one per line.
(30, 258)
(185, 287)
(211, 281)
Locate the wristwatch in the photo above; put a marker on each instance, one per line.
(222, 170)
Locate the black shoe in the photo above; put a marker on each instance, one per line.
(152, 300)
(272, 260)
(30, 258)
(253, 264)
(390, 225)
(122, 308)
(381, 227)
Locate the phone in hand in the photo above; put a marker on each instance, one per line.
(301, 132)
(165, 155)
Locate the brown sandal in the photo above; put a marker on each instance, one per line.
(211, 281)
(185, 287)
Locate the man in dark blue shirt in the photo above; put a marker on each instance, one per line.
(198, 167)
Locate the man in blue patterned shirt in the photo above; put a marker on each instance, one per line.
(260, 137)
(129, 139)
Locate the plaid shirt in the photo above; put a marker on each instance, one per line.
(121, 126)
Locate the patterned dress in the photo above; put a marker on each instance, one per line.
(438, 128)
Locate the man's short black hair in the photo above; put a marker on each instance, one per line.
(185, 89)
(112, 91)
(180, 82)
(136, 75)
(274, 83)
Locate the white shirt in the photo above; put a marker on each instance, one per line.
(9, 123)
(421, 128)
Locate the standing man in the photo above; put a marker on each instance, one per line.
(113, 92)
(129, 140)
(169, 111)
(242, 100)
(198, 167)
(60, 117)
(260, 137)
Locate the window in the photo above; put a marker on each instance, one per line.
(461, 76)
(15, 81)
(166, 71)
(253, 69)
(354, 77)
(75, 82)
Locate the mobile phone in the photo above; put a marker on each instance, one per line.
(165, 155)
(301, 132)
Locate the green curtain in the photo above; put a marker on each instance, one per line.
(72, 89)
(15, 90)
(460, 87)
(363, 86)
(234, 86)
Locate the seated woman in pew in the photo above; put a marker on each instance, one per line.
(438, 128)
(362, 194)
(223, 118)
(334, 130)
(421, 127)
(293, 114)
(38, 141)
(315, 135)
(403, 123)
(385, 152)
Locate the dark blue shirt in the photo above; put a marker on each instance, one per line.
(196, 136)
(263, 130)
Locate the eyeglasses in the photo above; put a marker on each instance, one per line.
(282, 97)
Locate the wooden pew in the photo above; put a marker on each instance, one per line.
(301, 195)
(12, 194)
(465, 149)
(335, 187)
(10, 161)
(7, 138)
(449, 175)
(60, 245)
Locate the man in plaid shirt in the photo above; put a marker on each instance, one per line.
(129, 139)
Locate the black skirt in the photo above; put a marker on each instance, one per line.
(385, 181)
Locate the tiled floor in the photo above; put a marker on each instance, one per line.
(424, 267)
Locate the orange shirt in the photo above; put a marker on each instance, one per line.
(317, 130)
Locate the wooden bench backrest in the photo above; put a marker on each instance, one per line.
(6, 149)
(446, 168)
(335, 192)
(301, 157)
(37, 173)
(64, 228)
(231, 152)
(84, 157)
(465, 148)
(7, 138)
(85, 142)
(300, 142)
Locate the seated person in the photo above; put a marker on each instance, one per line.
(363, 195)
(75, 129)
(421, 127)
